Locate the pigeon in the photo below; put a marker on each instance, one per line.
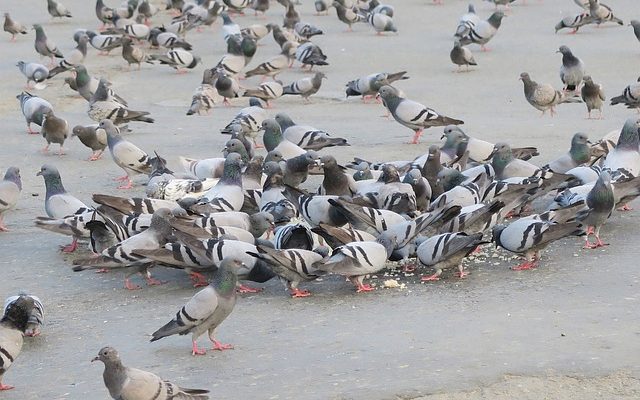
(104, 43)
(249, 119)
(57, 10)
(147, 9)
(34, 72)
(103, 105)
(58, 203)
(73, 58)
(227, 194)
(306, 30)
(54, 130)
(306, 137)
(92, 137)
(36, 317)
(296, 169)
(593, 96)
(625, 157)
(10, 188)
(336, 182)
(467, 21)
(507, 166)
(634, 23)
(273, 140)
(413, 115)
(33, 108)
(529, 236)
(177, 59)
(574, 22)
(12, 326)
(368, 86)
(259, 6)
(168, 40)
(602, 13)
(203, 98)
(381, 23)
(125, 154)
(322, 6)
(460, 56)
(126, 383)
(103, 13)
(227, 86)
(293, 265)
(482, 31)
(543, 97)
(271, 67)
(421, 189)
(447, 251)
(578, 154)
(237, 5)
(600, 204)
(357, 259)
(101, 237)
(132, 54)
(13, 27)
(572, 69)
(291, 17)
(305, 87)
(347, 15)
(207, 309)
(266, 91)
(229, 28)
(123, 255)
(630, 96)
(45, 46)
(310, 54)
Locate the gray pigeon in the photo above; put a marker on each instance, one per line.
(266, 91)
(104, 43)
(305, 87)
(625, 157)
(368, 86)
(347, 15)
(92, 137)
(507, 166)
(592, 95)
(460, 56)
(578, 154)
(57, 9)
(124, 383)
(572, 69)
(630, 96)
(413, 115)
(12, 326)
(73, 58)
(177, 59)
(206, 310)
(132, 54)
(13, 27)
(636, 27)
(310, 54)
(10, 188)
(307, 137)
(227, 86)
(574, 22)
(297, 168)
(44, 46)
(447, 251)
(100, 236)
(357, 259)
(33, 108)
(274, 141)
(103, 105)
(600, 203)
(34, 72)
(336, 182)
(36, 317)
(306, 30)
(544, 97)
(125, 154)
(203, 98)
(227, 194)
(54, 130)
(602, 13)
(291, 17)
(482, 31)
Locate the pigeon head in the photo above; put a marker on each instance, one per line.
(272, 134)
(525, 77)
(108, 355)
(79, 131)
(433, 153)
(274, 156)
(13, 175)
(629, 135)
(160, 222)
(224, 280)
(260, 223)
(48, 170)
(328, 162)
(587, 79)
(236, 146)
(413, 177)
(284, 121)
(389, 174)
(389, 241)
(564, 50)
(18, 312)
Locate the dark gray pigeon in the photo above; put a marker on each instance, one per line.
(578, 154)
(592, 95)
(305, 87)
(572, 69)
(44, 46)
(636, 28)
(336, 182)
(93, 138)
(54, 130)
(124, 383)
(206, 310)
(460, 56)
(600, 203)
(297, 168)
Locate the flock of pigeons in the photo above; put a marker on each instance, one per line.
(245, 218)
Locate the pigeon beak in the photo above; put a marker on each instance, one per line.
(39, 173)
(442, 137)
(589, 142)
(95, 359)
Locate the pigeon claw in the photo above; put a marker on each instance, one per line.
(364, 288)
(130, 286)
(5, 387)
(247, 289)
(70, 248)
(524, 266)
(295, 292)
(430, 278)
(221, 346)
(195, 351)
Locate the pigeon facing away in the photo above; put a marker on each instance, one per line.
(625, 157)
(125, 154)
(36, 317)
(482, 31)
(13, 27)
(54, 130)
(447, 251)
(347, 15)
(630, 96)
(57, 10)
(460, 56)
(543, 97)
(381, 23)
(12, 326)
(132, 54)
(10, 188)
(413, 115)
(33, 108)
(44, 46)
(124, 383)
(177, 59)
(206, 310)
(602, 13)
(600, 203)
(305, 87)
(34, 72)
(592, 95)
(92, 137)
(203, 98)
(572, 70)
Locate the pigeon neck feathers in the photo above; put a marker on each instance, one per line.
(224, 281)
(13, 175)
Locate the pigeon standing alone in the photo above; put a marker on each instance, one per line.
(543, 97)
(460, 56)
(592, 95)
(305, 87)
(572, 70)
(10, 188)
(57, 9)
(54, 130)
(45, 46)
(13, 27)
(482, 31)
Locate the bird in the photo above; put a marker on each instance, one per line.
(249, 119)
(73, 58)
(593, 96)
(177, 59)
(92, 137)
(578, 154)
(600, 204)
(625, 156)
(633, 23)
(291, 16)
(305, 87)
(574, 22)
(127, 383)
(168, 40)
(336, 182)
(229, 28)
(544, 97)
(272, 67)
(125, 154)
(36, 317)
(57, 9)
(507, 166)
(227, 194)
(266, 91)
(306, 30)
(412, 114)
(45, 46)
(482, 31)
(101, 237)
(104, 43)
(307, 137)
(10, 189)
(630, 96)
(12, 326)
(368, 86)
(203, 98)
(207, 309)
(103, 105)
(460, 56)
(34, 72)
(226, 85)
(54, 130)
(602, 13)
(13, 27)
(347, 15)
(133, 54)
(310, 54)
(572, 69)
(447, 251)
(273, 140)
(381, 22)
